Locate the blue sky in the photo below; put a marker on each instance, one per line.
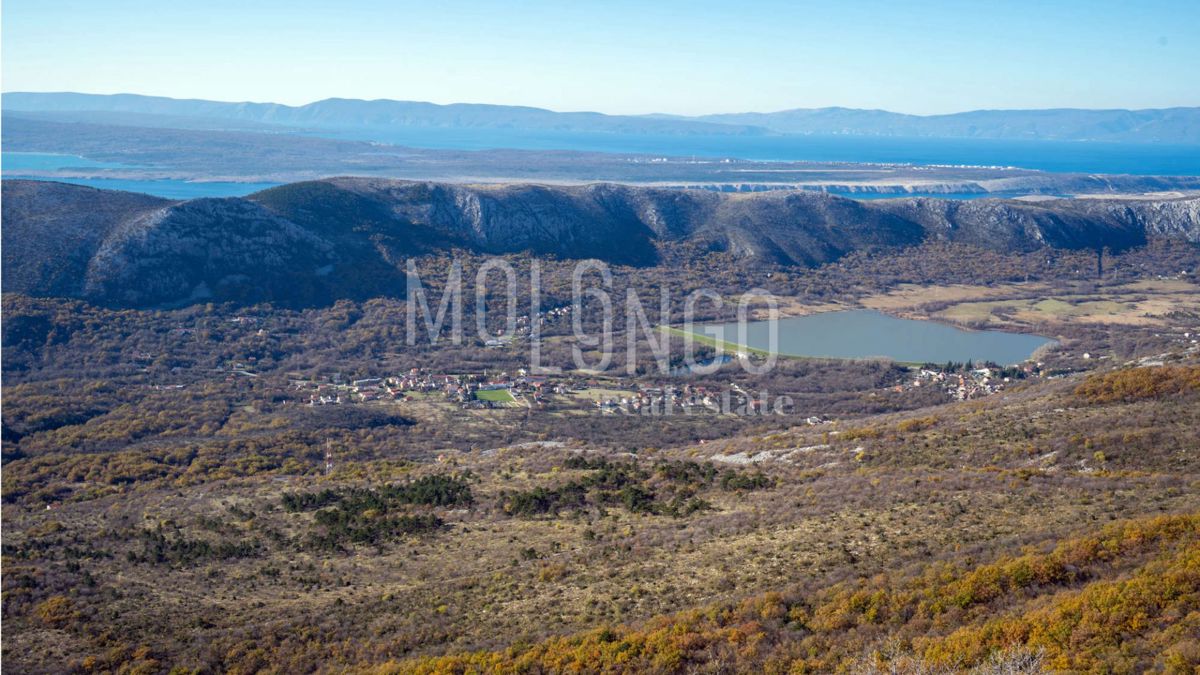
(618, 56)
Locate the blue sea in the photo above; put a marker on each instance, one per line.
(1148, 159)
(15, 164)
(166, 188)
(49, 161)
(1056, 156)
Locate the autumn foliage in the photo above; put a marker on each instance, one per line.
(1136, 384)
(1126, 599)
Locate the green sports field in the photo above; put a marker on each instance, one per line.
(494, 395)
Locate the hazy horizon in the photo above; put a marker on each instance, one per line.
(667, 113)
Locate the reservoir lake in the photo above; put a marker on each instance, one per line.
(863, 334)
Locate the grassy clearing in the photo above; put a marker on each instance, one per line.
(727, 346)
(970, 312)
(1066, 308)
(494, 395)
(600, 393)
(1142, 303)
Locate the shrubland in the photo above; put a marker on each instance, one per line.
(171, 502)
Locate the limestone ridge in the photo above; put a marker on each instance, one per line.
(315, 242)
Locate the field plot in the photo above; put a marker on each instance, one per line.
(1145, 303)
(495, 395)
(603, 394)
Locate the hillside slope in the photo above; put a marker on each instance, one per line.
(313, 242)
(1124, 597)
(53, 230)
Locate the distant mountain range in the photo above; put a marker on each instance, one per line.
(314, 242)
(1170, 125)
(340, 113)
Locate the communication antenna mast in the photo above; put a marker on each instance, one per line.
(328, 458)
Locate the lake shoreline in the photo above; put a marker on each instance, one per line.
(850, 330)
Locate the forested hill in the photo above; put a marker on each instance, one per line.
(317, 241)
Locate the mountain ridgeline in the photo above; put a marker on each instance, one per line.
(314, 242)
(1165, 125)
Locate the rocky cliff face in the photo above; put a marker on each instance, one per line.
(616, 223)
(313, 242)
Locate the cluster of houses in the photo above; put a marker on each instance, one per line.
(684, 398)
(966, 384)
(461, 389)
(536, 391)
(524, 326)
(521, 386)
(533, 391)
(657, 397)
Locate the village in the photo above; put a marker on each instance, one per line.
(470, 390)
(613, 395)
(966, 382)
(498, 390)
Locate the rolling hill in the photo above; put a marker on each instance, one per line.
(314, 242)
